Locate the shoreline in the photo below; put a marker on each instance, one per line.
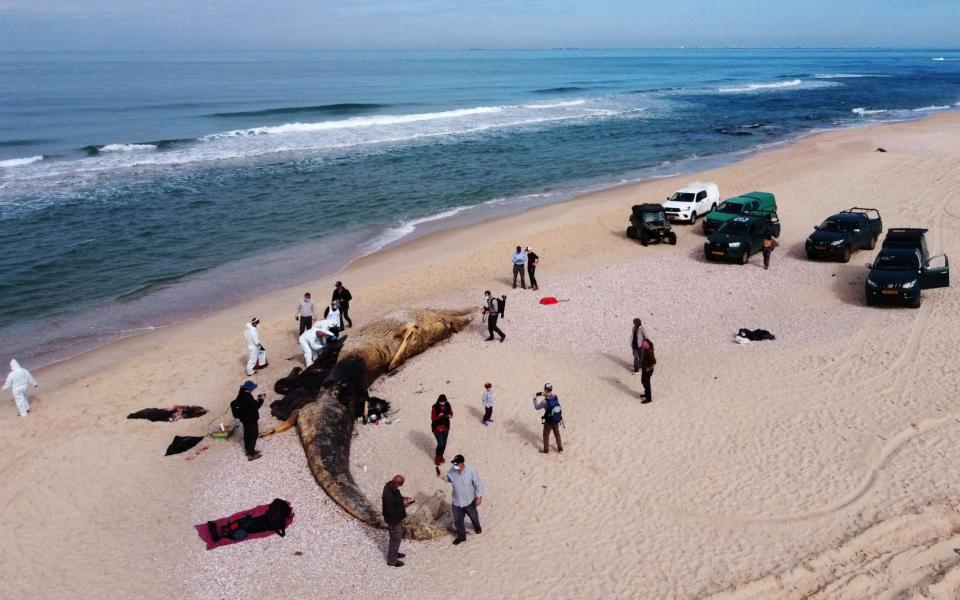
(751, 460)
(465, 216)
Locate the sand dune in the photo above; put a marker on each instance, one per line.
(820, 465)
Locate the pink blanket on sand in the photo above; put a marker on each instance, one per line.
(204, 532)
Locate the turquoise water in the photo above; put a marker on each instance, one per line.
(137, 189)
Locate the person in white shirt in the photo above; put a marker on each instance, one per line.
(487, 403)
(313, 340)
(519, 262)
(19, 379)
(252, 337)
(305, 313)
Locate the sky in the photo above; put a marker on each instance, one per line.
(32, 25)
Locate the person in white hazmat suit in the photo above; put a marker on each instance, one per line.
(19, 379)
(252, 337)
(313, 340)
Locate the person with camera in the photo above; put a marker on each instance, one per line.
(648, 361)
(394, 512)
(247, 410)
(467, 495)
(440, 414)
(552, 416)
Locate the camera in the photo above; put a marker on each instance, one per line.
(539, 393)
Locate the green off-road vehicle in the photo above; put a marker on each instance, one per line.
(648, 223)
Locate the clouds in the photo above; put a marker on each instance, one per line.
(421, 24)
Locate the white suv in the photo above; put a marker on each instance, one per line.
(692, 202)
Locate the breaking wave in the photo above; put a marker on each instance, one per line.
(19, 162)
(843, 75)
(942, 58)
(346, 108)
(126, 148)
(753, 87)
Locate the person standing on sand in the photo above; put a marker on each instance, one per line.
(333, 315)
(247, 410)
(487, 403)
(343, 296)
(519, 260)
(252, 337)
(532, 261)
(305, 313)
(768, 245)
(492, 311)
(19, 379)
(394, 512)
(467, 496)
(440, 415)
(635, 339)
(552, 417)
(647, 362)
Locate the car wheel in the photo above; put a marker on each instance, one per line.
(745, 257)
(810, 255)
(693, 218)
(845, 257)
(644, 240)
(870, 301)
(631, 233)
(672, 238)
(917, 301)
(708, 256)
(873, 243)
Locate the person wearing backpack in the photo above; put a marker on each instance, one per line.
(493, 308)
(247, 409)
(552, 417)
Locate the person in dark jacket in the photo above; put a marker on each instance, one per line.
(532, 261)
(440, 415)
(491, 310)
(247, 410)
(636, 339)
(647, 362)
(343, 296)
(394, 512)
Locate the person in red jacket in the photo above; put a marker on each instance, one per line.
(440, 416)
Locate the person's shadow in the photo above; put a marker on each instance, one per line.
(425, 442)
(475, 412)
(523, 432)
(624, 388)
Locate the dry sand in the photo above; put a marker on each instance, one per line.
(820, 465)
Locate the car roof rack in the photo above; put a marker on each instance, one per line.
(905, 234)
(857, 210)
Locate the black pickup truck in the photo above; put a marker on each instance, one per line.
(740, 237)
(842, 233)
(902, 269)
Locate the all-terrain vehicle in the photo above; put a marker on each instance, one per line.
(648, 223)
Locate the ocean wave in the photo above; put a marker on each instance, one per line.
(560, 90)
(346, 108)
(19, 162)
(754, 87)
(18, 143)
(877, 111)
(109, 148)
(942, 58)
(843, 75)
(556, 104)
(405, 228)
(931, 108)
(868, 111)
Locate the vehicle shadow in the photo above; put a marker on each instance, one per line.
(848, 283)
(798, 251)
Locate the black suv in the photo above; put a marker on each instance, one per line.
(648, 223)
(740, 237)
(902, 269)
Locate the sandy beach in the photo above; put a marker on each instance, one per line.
(819, 465)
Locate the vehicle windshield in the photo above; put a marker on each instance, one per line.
(682, 197)
(838, 226)
(896, 262)
(735, 227)
(729, 208)
(653, 217)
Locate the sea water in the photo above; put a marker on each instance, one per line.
(137, 189)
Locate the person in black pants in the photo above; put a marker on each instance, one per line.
(647, 362)
(394, 512)
(532, 260)
(492, 312)
(343, 295)
(247, 410)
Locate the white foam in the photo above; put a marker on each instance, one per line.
(753, 87)
(868, 111)
(19, 162)
(843, 75)
(930, 108)
(127, 148)
(406, 228)
(942, 58)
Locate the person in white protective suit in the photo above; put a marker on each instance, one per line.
(313, 340)
(19, 379)
(252, 337)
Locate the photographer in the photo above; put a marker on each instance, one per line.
(492, 309)
(552, 416)
(247, 409)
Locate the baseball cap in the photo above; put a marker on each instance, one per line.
(248, 385)
(457, 460)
